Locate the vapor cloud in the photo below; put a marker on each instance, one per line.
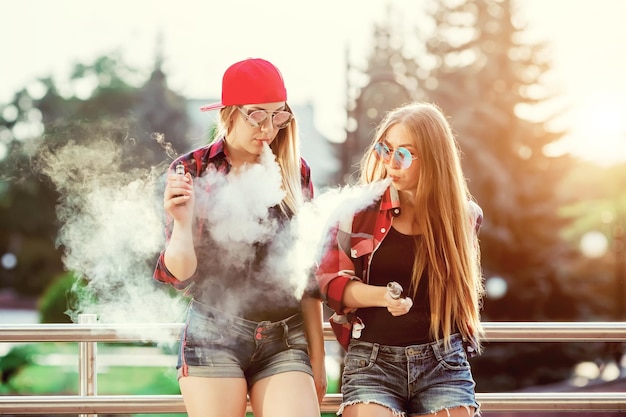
(112, 227)
(111, 230)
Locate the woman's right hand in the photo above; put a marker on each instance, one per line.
(178, 197)
(357, 294)
(398, 306)
(178, 201)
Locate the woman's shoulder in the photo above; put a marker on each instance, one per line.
(197, 159)
(476, 214)
(474, 208)
(305, 170)
(304, 165)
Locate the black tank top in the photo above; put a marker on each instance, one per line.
(393, 261)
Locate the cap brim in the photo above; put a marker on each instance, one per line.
(212, 106)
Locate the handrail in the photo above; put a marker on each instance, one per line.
(118, 332)
(146, 404)
(87, 370)
(124, 404)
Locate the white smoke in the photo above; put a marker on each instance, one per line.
(236, 206)
(314, 221)
(113, 227)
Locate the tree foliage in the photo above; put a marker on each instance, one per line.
(148, 122)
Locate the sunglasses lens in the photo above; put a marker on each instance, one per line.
(382, 151)
(257, 117)
(403, 158)
(399, 158)
(282, 119)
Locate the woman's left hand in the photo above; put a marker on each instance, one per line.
(319, 377)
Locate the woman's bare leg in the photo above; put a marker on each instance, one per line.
(214, 397)
(367, 410)
(285, 395)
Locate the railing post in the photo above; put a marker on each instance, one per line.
(87, 371)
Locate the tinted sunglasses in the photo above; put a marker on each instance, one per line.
(400, 157)
(256, 117)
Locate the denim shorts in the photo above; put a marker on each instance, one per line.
(417, 379)
(215, 344)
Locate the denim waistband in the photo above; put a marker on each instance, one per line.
(411, 351)
(206, 310)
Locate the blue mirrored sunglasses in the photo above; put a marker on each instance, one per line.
(400, 157)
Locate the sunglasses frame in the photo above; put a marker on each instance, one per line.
(248, 112)
(400, 157)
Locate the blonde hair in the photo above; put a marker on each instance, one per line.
(444, 214)
(286, 148)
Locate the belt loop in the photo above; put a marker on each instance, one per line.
(375, 347)
(438, 347)
(285, 332)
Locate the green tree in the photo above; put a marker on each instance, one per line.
(27, 223)
(599, 207)
(60, 296)
(104, 101)
(162, 120)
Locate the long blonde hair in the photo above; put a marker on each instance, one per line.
(286, 148)
(450, 250)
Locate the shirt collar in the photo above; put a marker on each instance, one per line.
(217, 148)
(390, 199)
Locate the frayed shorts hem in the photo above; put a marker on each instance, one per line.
(466, 407)
(349, 403)
(397, 413)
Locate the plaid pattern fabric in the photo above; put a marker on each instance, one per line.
(348, 256)
(196, 163)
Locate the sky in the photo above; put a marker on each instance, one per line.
(310, 42)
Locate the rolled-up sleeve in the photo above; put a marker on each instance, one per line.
(334, 272)
(162, 274)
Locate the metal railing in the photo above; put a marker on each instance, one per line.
(88, 402)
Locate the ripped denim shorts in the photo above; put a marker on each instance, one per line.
(411, 380)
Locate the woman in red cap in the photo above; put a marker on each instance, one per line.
(403, 276)
(254, 326)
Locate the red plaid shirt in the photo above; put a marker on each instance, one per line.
(349, 255)
(196, 163)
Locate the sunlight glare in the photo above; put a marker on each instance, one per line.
(594, 244)
(600, 129)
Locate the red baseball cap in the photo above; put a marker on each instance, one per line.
(251, 81)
